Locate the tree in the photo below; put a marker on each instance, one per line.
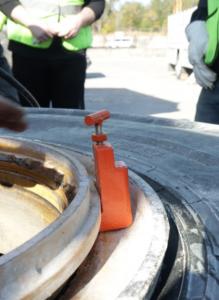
(107, 23)
(136, 16)
(130, 16)
(189, 3)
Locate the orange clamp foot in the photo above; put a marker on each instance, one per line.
(112, 179)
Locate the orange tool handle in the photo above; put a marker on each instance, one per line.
(97, 118)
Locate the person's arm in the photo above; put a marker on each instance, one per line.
(201, 13)
(71, 25)
(39, 28)
(97, 6)
(198, 38)
(6, 6)
(14, 10)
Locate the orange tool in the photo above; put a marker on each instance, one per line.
(112, 178)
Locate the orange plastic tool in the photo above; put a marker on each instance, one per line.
(112, 178)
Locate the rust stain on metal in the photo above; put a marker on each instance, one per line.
(34, 168)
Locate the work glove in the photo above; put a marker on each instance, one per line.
(197, 36)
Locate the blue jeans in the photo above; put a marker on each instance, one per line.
(207, 110)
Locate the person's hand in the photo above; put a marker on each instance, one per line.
(41, 30)
(197, 35)
(11, 116)
(204, 76)
(70, 26)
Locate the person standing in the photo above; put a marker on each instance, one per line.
(202, 34)
(6, 90)
(48, 45)
(12, 116)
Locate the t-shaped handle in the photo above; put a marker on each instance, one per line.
(97, 119)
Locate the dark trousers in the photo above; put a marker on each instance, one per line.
(208, 105)
(56, 82)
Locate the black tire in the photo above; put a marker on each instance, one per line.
(180, 160)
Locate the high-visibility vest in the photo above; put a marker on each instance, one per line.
(213, 32)
(3, 19)
(52, 11)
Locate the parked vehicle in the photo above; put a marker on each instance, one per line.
(120, 42)
(177, 42)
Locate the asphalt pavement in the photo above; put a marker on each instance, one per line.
(138, 82)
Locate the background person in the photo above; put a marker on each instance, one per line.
(6, 89)
(203, 55)
(48, 44)
(11, 115)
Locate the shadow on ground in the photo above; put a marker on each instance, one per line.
(126, 101)
(94, 75)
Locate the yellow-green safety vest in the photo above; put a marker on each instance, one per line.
(3, 19)
(212, 23)
(52, 11)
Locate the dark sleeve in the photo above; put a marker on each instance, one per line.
(97, 6)
(201, 13)
(6, 6)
